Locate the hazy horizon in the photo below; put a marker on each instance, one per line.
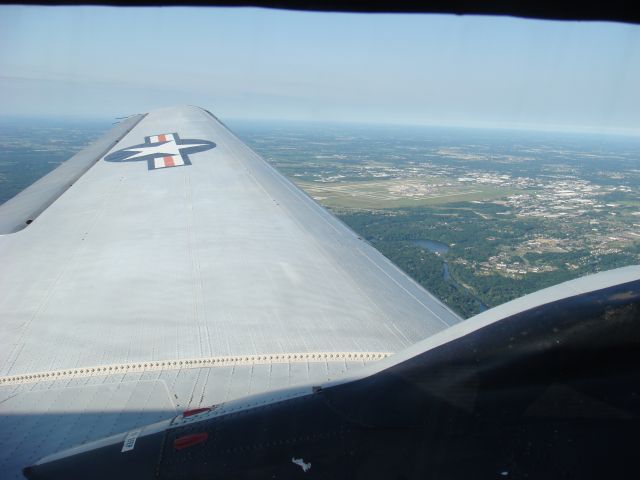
(51, 120)
(397, 69)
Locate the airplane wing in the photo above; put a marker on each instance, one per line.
(169, 268)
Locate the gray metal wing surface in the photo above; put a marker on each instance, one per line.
(174, 269)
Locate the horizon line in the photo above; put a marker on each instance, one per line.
(534, 128)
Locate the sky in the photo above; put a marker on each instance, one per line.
(106, 62)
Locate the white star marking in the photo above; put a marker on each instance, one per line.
(167, 148)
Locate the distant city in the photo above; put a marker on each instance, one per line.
(478, 217)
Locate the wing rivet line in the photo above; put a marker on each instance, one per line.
(223, 361)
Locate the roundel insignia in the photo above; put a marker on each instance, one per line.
(161, 151)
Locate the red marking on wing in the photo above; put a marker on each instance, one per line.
(195, 411)
(162, 138)
(168, 162)
(187, 441)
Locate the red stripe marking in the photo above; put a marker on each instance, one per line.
(168, 162)
(189, 440)
(162, 138)
(195, 411)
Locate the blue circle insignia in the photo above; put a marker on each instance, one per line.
(161, 151)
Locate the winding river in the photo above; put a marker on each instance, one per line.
(441, 249)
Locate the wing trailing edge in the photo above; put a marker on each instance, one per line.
(20, 211)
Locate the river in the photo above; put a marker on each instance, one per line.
(441, 250)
